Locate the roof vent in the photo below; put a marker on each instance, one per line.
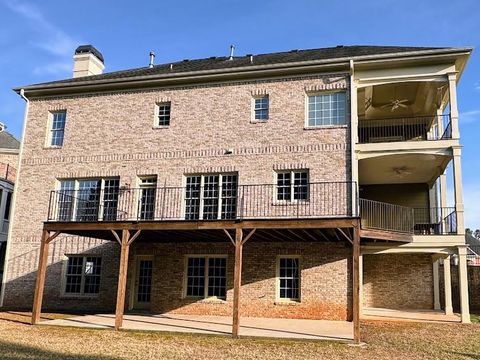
(294, 50)
(185, 60)
(232, 51)
(339, 46)
(152, 58)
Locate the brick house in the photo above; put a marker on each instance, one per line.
(304, 184)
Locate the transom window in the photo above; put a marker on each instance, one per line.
(261, 105)
(292, 185)
(327, 109)
(57, 128)
(206, 277)
(288, 270)
(87, 199)
(163, 114)
(83, 275)
(211, 196)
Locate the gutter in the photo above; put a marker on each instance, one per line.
(239, 71)
(14, 199)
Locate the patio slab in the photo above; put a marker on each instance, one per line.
(218, 325)
(408, 315)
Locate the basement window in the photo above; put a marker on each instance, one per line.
(206, 277)
(288, 275)
(82, 276)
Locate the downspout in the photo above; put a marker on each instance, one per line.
(353, 140)
(14, 198)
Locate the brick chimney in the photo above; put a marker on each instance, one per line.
(87, 61)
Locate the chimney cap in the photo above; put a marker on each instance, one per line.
(89, 49)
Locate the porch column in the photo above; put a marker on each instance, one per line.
(458, 191)
(452, 92)
(41, 272)
(463, 284)
(360, 275)
(436, 286)
(447, 280)
(356, 284)
(122, 279)
(237, 282)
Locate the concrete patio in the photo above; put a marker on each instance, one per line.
(408, 315)
(218, 325)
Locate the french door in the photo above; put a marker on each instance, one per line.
(211, 197)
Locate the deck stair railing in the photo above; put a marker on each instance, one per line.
(377, 215)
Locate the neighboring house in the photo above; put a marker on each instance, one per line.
(9, 149)
(330, 162)
(473, 256)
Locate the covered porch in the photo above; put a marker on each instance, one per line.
(238, 233)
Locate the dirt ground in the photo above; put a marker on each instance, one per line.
(384, 340)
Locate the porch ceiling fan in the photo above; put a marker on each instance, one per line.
(394, 104)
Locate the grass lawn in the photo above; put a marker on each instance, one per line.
(394, 340)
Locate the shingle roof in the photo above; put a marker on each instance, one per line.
(8, 141)
(223, 63)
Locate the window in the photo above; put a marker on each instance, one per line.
(87, 199)
(206, 277)
(292, 185)
(8, 203)
(211, 196)
(83, 275)
(327, 109)
(288, 272)
(261, 108)
(163, 114)
(57, 128)
(148, 191)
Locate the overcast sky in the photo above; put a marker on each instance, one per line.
(38, 38)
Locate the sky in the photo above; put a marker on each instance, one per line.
(38, 38)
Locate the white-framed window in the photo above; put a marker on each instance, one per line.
(206, 276)
(87, 199)
(261, 106)
(325, 109)
(292, 185)
(147, 197)
(162, 114)
(288, 278)
(82, 275)
(211, 196)
(56, 129)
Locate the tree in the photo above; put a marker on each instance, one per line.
(477, 234)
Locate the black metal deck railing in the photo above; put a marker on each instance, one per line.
(404, 129)
(378, 215)
(307, 200)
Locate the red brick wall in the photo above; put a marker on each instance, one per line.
(398, 281)
(325, 279)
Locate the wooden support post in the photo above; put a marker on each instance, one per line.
(237, 282)
(40, 284)
(356, 284)
(122, 279)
